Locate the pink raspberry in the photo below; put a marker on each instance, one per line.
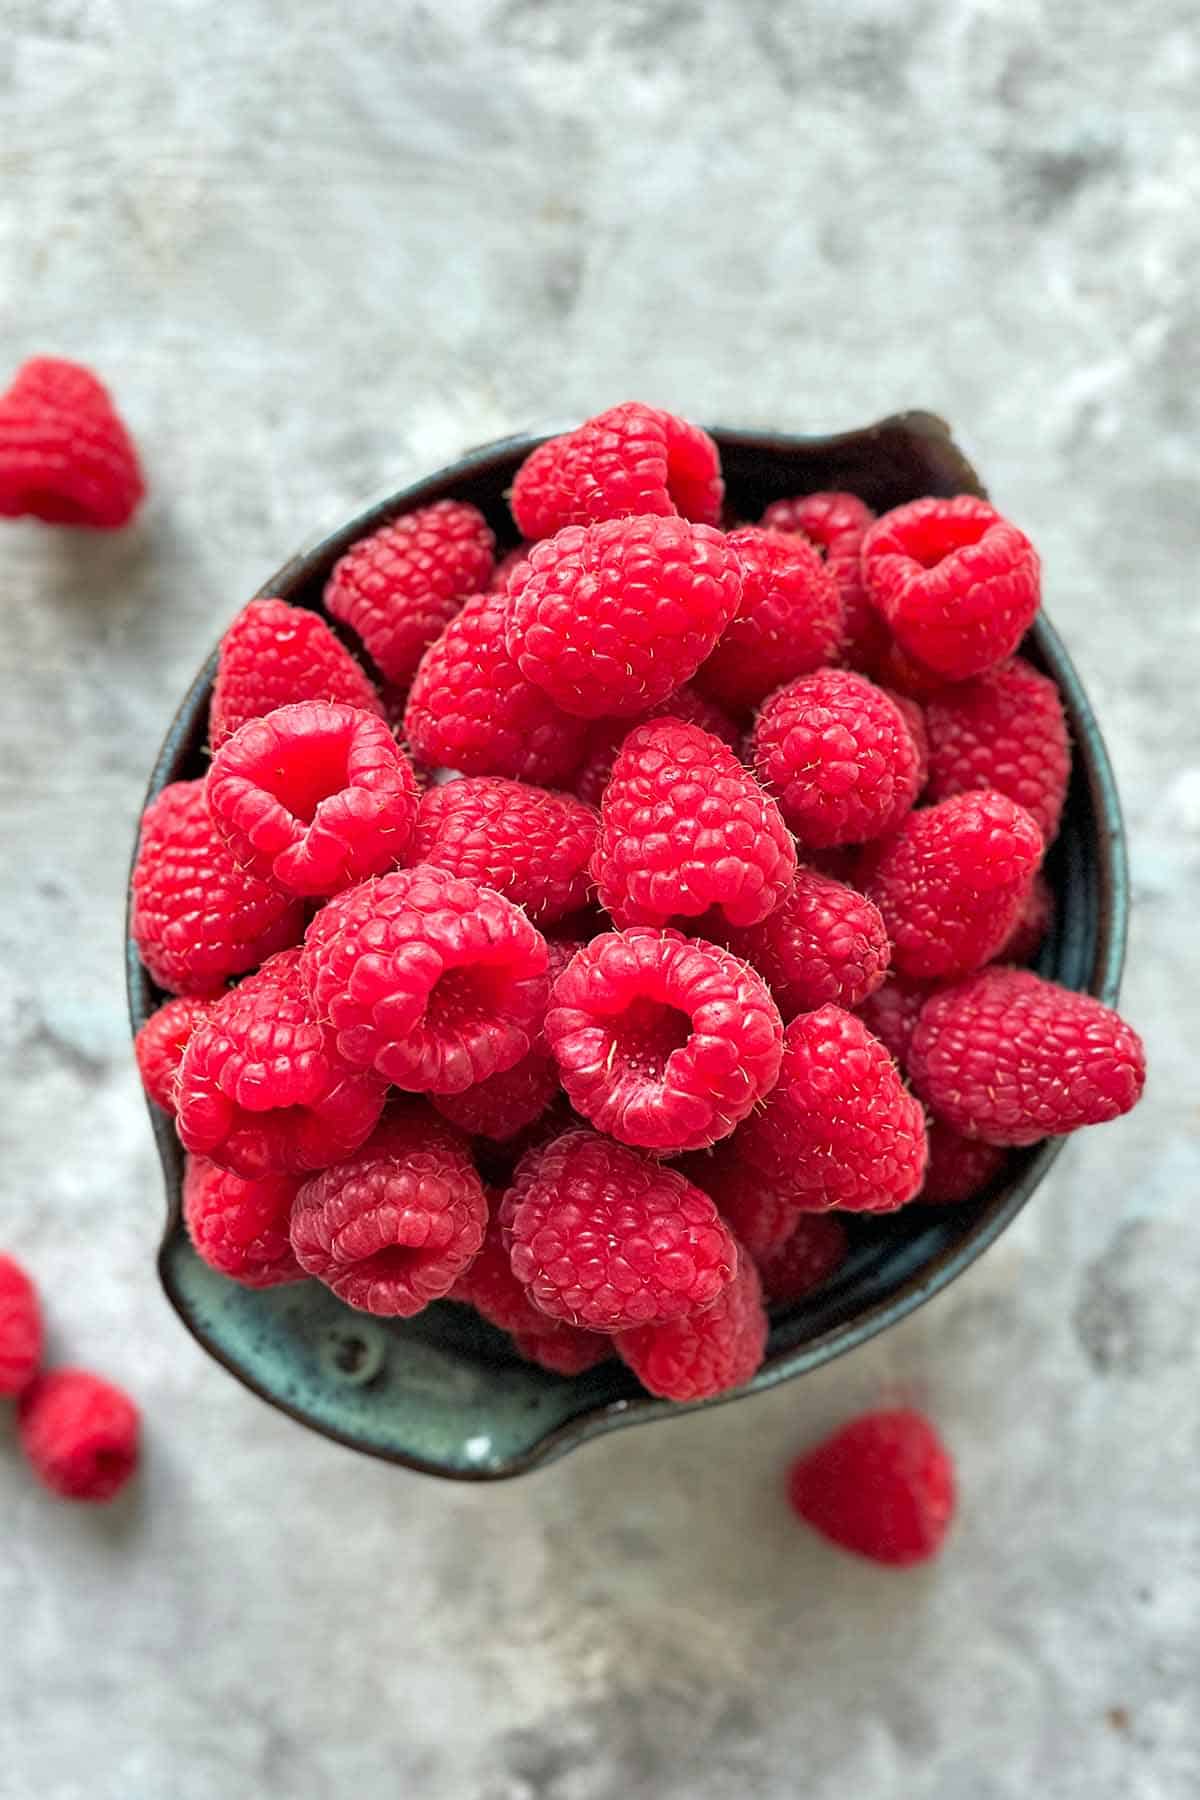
(913, 714)
(275, 655)
(835, 524)
(502, 1106)
(824, 943)
(1005, 730)
(607, 736)
(160, 1044)
(564, 1349)
(762, 1214)
(505, 566)
(789, 622)
(892, 1011)
(816, 1249)
(80, 1434)
(883, 1486)
(488, 1284)
(531, 845)
(65, 455)
(706, 1353)
(241, 1227)
(630, 459)
(1033, 924)
(959, 1167)
(1011, 1058)
(899, 673)
(21, 1333)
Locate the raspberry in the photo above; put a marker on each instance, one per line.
(20, 1328)
(789, 622)
(607, 1238)
(1009, 1057)
(502, 1106)
(471, 708)
(684, 827)
(274, 655)
(630, 459)
(505, 566)
(160, 1044)
(835, 750)
(835, 524)
(313, 797)
(262, 1089)
(705, 1353)
(663, 1041)
(816, 1249)
(400, 587)
(839, 1129)
(488, 1284)
(898, 673)
(1005, 730)
(608, 619)
(762, 1214)
(824, 943)
(79, 1434)
(913, 714)
(952, 882)
(958, 585)
(882, 1486)
(959, 1167)
(65, 456)
(564, 1349)
(531, 845)
(430, 980)
(1033, 924)
(394, 1227)
(892, 1011)
(240, 1227)
(607, 736)
(195, 916)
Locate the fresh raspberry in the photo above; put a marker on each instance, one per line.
(564, 1349)
(959, 1167)
(1005, 730)
(816, 1249)
(434, 982)
(502, 1106)
(531, 845)
(21, 1333)
(684, 827)
(789, 622)
(506, 564)
(608, 619)
(839, 1128)
(913, 714)
(958, 585)
(663, 1041)
(400, 587)
(762, 1214)
(630, 459)
(240, 1227)
(195, 916)
(314, 797)
(952, 882)
(262, 1089)
(160, 1044)
(488, 1284)
(824, 943)
(80, 1434)
(1033, 924)
(835, 750)
(607, 736)
(882, 1486)
(892, 1011)
(705, 1353)
(65, 456)
(394, 1227)
(1009, 1057)
(835, 524)
(471, 709)
(275, 655)
(894, 670)
(606, 1238)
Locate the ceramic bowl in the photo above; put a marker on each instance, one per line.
(442, 1392)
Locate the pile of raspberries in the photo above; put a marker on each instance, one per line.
(581, 935)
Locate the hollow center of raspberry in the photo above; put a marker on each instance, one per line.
(940, 538)
(52, 508)
(396, 1263)
(304, 774)
(644, 1036)
(465, 996)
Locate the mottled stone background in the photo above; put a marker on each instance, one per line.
(316, 248)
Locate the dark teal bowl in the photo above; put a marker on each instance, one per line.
(442, 1392)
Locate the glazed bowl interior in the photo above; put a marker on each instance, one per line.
(443, 1392)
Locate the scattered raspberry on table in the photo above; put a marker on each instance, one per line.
(882, 1486)
(65, 455)
(80, 1434)
(20, 1328)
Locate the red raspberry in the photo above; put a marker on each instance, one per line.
(21, 1333)
(684, 827)
(79, 1434)
(274, 655)
(789, 622)
(241, 1227)
(630, 459)
(1011, 1058)
(434, 982)
(607, 1238)
(761, 1214)
(313, 797)
(195, 916)
(608, 619)
(471, 708)
(564, 1349)
(705, 1353)
(816, 1249)
(262, 1089)
(395, 1226)
(959, 1167)
(160, 1044)
(1033, 924)
(505, 566)
(65, 456)
(824, 943)
(1005, 730)
(607, 736)
(488, 1284)
(663, 1041)
(531, 845)
(502, 1106)
(835, 750)
(835, 524)
(892, 1011)
(400, 587)
(952, 882)
(839, 1129)
(913, 714)
(958, 585)
(882, 1486)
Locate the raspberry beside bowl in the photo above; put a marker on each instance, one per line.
(442, 1392)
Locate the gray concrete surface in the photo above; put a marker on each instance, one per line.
(315, 248)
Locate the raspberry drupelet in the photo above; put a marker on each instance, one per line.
(80, 1434)
(65, 456)
(276, 655)
(630, 459)
(705, 1353)
(1005, 730)
(789, 622)
(532, 845)
(824, 943)
(240, 1226)
(160, 1044)
(882, 1486)
(21, 1333)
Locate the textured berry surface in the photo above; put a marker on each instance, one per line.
(393, 1228)
(506, 564)
(160, 1044)
(431, 980)
(314, 797)
(684, 827)
(275, 655)
(20, 1328)
(814, 1251)
(401, 586)
(1009, 1057)
(824, 943)
(606, 737)
(611, 618)
(663, 1041)
(488, 1284)
(789, 622)
(706, 1353)
(502, 1106)
(195, 916)
(882, 1486)
(65, 456)
(958, 585)
(1033, 924)
(530, 844)
(959, 1167)
(80, 1434)
(1005, 730)
(564, 1349)
(913, 714)
(761, 1213)
(892, 1011)
(630, 459)
(241, 1227)
(835, 524)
